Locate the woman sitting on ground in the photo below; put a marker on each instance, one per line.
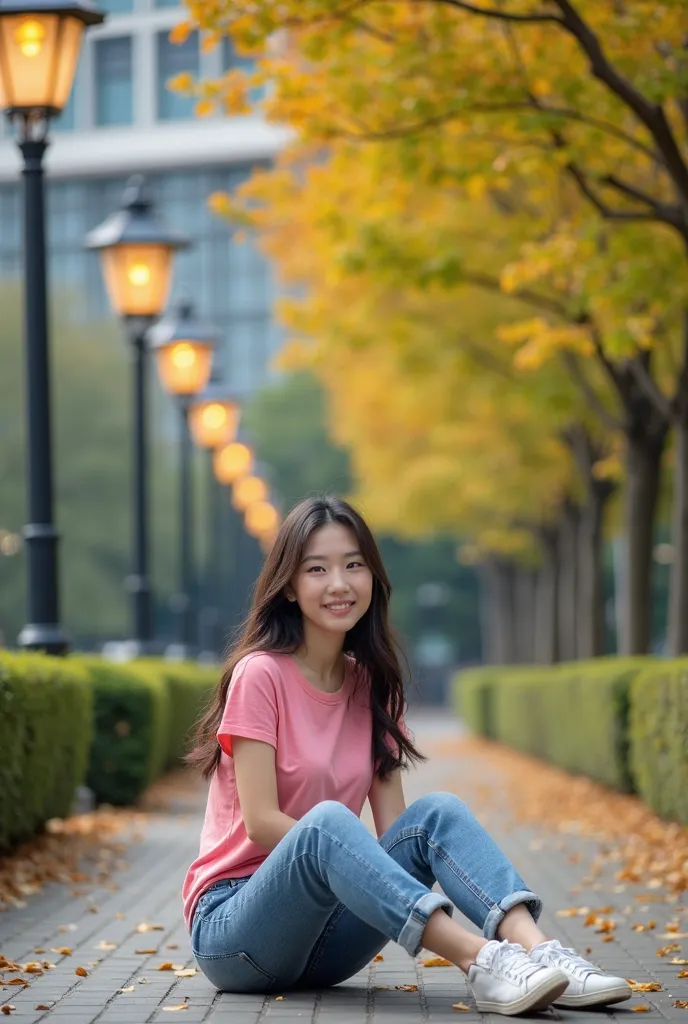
(290, 889)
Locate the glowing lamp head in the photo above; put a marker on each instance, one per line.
(232, 461)
(39, 51)
(214, 421)
(247, 491)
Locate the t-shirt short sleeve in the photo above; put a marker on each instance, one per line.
(251, 709)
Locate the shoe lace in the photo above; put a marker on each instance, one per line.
(561, 956)
(512, 961)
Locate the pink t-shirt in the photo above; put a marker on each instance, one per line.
(323, 744)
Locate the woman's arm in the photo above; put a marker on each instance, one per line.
(387, 801)
(254, 767)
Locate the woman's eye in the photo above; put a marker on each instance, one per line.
(355, 565)
(315, 568)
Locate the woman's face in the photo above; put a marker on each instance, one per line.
(333, 586)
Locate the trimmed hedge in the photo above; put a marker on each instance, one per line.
(131, 729)
(620, 721)
(144, 712)
(45, 736)
(659, 737)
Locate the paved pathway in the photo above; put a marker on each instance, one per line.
(123, 986)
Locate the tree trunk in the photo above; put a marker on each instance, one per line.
(524, 615)
(568, 577)
(500, 641)
(546, 650)
(590, 617)
(678, 593)
(643, 466)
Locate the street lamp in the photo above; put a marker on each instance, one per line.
(214, 420)
(261, 519)
(184, 353)
(232, 461)
(39, 50)
(247, 491)
(136, 253)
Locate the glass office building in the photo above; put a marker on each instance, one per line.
(121, 119)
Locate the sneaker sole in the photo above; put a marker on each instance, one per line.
(538, 999)
(613, 995)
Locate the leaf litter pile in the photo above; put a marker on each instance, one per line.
(635, 857)
(79, 851)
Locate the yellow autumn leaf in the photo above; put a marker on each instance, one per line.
(180, 32)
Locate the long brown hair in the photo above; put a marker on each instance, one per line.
(275, 625)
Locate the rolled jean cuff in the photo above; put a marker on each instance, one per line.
(498, 912)
(411, 935)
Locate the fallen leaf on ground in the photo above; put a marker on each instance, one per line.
(62, 950)
(382, 988)
(378, 959)
(33, 968)
(679, 960)
(644, 986)
(39, 949)
(82, 972)
(107, 946)
(166, 966)
(682, 974)
(146, 927)
(62, 928)
(665, 950)
(641, 1008)
(172, 945)
(680, 1004)
(129, 988)
(608, 938)
(279, 999)
(437, 961)
(7, 1009)
(407, 988)
(569, 912)
(43, 1006)
(461, 1006)
(186, 972)
(673, 935)
(18, 981)
(179, 1006)
(146, 952)
(120, 916)
(644, 927)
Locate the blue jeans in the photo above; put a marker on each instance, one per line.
(329, 897)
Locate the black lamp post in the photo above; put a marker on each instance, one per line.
(136, 252)
(39, 50)
(184, 352)
(214, 419)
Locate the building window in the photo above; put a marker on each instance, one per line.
(173, 59)
(168, 3)
(116, 6)
(114, 98)
(231, 60)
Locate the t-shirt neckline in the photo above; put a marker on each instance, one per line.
(322, 695)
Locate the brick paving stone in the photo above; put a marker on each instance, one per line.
(148, 890)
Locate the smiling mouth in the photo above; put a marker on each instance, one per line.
(342, 607)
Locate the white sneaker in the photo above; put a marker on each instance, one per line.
(588, 985)
(504, 979)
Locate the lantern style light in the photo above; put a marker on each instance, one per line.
(232, 462)
(136, 252)
(214, 417)
(261, 519)
(183, 348)
(39, 51)
(248, 490)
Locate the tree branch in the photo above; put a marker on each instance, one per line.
(651, 114)
(629, 216)
(663, 211)
(572, 364)
(648, 386)
(538, 17)
(543, 302)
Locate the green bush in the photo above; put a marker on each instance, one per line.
(144, 712)
(45, 736)
(131, 729)
(574, 715)
(190, 688)
(659, 737)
